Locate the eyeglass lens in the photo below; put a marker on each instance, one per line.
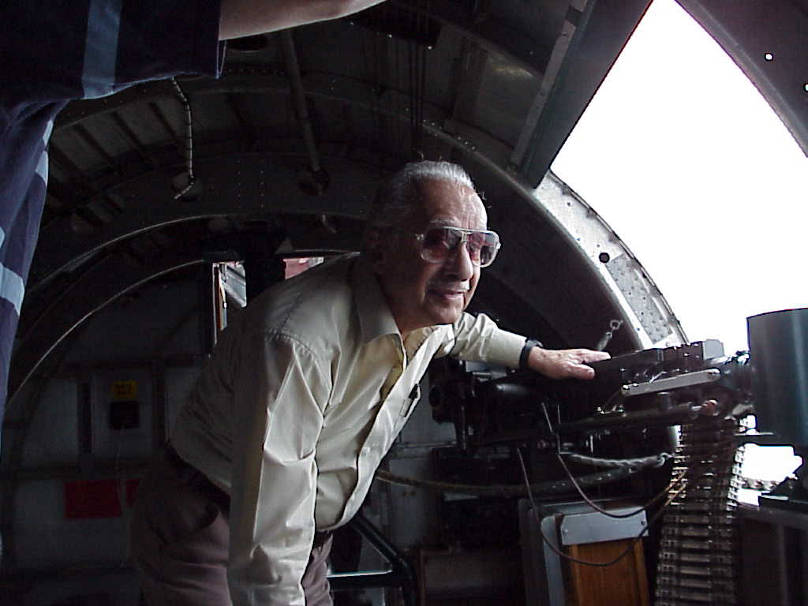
(439, 242)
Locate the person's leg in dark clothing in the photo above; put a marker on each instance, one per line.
(180, 538)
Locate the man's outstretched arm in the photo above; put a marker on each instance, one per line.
(241, 18)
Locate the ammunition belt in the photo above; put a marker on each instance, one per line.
(698, 558)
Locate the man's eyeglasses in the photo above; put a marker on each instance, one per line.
(440, 242)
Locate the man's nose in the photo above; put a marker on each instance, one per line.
(459, 263)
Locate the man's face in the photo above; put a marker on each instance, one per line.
(421, 293)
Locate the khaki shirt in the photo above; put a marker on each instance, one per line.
(302, 398)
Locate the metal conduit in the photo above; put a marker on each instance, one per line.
(299, 98)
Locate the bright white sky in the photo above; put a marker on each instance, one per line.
(682, 156)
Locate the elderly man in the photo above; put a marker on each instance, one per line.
(305, 393)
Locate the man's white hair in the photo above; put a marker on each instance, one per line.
(399, 196)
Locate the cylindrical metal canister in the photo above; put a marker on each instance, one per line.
(778, 347)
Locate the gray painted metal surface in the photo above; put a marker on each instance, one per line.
(505, 83)
(595, 527)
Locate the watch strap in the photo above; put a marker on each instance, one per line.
(529, 344)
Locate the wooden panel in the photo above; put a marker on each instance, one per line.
(624, 583)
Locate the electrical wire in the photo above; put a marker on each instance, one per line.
(505, 490)
(630, 547)
(621, 555)
(653, 461)
(580, 491)
(606, 512)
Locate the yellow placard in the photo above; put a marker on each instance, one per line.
(124, 390)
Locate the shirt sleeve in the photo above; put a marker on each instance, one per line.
(479, 339)
(279, 397)
(91, 49)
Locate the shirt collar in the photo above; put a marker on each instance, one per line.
(375, 317)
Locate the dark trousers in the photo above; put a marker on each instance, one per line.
(179, 538)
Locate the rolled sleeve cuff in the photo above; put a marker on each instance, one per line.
(505, 348)
(158, 41)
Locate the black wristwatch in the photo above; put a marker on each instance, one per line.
(529, 344)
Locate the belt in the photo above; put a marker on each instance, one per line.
(191, 476)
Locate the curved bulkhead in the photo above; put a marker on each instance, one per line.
(153, 187)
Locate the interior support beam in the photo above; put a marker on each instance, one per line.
(607, 25)
(574, 19)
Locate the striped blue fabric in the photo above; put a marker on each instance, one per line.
(42, 165)
(48, 131)
(12, 287)
(56, 52)
(101, 48)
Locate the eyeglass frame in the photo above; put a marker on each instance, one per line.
(465, 233)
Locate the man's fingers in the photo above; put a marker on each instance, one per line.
(590, 355)
(578, 359)
(569, 363)
(582, 371)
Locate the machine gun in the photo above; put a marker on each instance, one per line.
(653, 387)
(682, 404)
(669, 386)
